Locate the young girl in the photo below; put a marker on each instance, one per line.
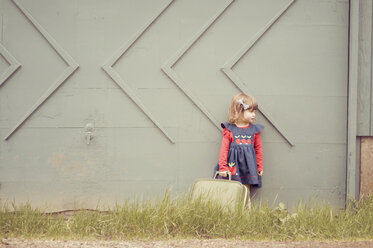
(241, 150)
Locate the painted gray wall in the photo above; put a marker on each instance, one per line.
(155, 79)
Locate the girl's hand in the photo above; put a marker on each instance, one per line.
(223, 173)
(260, 173)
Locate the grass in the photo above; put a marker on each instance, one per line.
(182, 218)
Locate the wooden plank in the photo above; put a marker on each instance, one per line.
(61, 195)
(334, 197)
(352, 99)
(96, 168)
(371, 69)
(317, 168)
(104, 163)
(113, 154)
(365, 70)
(1, 20)
(66, 108)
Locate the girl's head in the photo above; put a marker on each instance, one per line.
(242, 109)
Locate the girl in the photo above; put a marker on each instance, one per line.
(241, 150)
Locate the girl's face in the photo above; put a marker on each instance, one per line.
(249, 116)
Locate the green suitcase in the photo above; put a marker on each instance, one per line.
(228, 193)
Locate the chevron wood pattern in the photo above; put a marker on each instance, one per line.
(108, 68)
(227, 69)
(167, 66)
(13, 64)
(72, 66)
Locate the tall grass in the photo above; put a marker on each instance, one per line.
(182, 218)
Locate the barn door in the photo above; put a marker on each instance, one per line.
(101, 101)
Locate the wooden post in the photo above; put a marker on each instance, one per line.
(352, 188)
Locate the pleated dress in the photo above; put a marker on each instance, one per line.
(242, 156)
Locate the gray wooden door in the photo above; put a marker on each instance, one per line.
(102, 101)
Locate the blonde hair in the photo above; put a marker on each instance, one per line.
(236, 109)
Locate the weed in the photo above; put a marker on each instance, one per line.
(182, 218)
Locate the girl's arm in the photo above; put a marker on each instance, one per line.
(259, 151)
(224, 150)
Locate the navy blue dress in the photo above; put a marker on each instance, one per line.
(242, 154)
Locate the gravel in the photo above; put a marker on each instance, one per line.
(212, 243)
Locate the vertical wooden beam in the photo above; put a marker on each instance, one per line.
(370, 28)
(1, 20)
(351, 187)
(364, 69)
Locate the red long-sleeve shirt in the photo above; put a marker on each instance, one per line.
(224, 150)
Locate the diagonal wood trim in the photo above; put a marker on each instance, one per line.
(167, 66)
(13, 67)
(72, 66)
(108, 68)
(227, 68)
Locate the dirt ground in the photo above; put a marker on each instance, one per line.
(10, 243)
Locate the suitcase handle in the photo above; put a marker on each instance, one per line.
(229, 175)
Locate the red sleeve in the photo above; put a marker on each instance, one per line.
(224, 150)
(259, 151)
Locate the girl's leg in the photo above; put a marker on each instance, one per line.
(248, 201)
